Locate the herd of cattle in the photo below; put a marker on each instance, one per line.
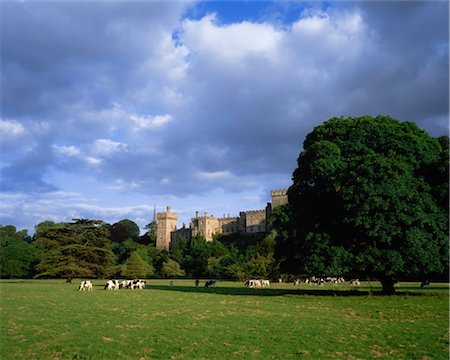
(138, 284)
(320, 281)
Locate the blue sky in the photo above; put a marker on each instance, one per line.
(110, 108)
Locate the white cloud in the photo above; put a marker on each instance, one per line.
(66, 150)
(10, 128)
(214, 176)
(107, 147)
(92, 161)
(150, 122)
(230, 43)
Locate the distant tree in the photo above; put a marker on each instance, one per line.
(226, 267)
(235, 271)
(136, 267)
(43, 226)
(149, 238)
(123, 250)
(17, 255)
(171, 268)
(73, 249)
(216, 249)
(123, 230)
(160, 258)
(214, 268)
(258, 267)
(362, 201)
(196, 262)
(178, 250)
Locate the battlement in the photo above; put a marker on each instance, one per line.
(253, 211)
(279, 192)
(166, 215)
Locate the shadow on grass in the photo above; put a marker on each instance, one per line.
(242, 291)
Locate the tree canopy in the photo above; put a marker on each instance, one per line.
(136, 267)
(363, 201)
(17, 255)
(73, 249)
(123, 230)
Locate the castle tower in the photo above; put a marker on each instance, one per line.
(279, 197)
(166, 223)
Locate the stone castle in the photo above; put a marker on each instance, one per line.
(253, 221)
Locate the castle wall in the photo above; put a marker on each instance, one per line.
(254, 221)
(206, 226)
(183, 234)
(228, 225)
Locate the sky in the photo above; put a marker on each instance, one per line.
(109, 108)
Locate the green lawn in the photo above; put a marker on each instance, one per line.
(50, 319)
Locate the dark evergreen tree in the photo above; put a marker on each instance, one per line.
(135, 267)
(74, 249)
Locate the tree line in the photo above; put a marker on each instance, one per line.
(94, 249)
(370, 198)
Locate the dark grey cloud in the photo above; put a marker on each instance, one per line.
(103, 89)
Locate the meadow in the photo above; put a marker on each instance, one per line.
(51, 319)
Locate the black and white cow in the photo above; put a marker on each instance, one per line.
(112, 285)
(86, 285)
(210, 283)
(133, 284)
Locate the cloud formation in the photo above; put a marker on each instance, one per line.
(145, 99)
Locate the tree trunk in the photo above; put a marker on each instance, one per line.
(388, 286)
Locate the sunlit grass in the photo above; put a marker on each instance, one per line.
(50, 319)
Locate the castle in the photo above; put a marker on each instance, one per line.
(253, 221)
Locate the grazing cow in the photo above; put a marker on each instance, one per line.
(125, 284)
(85, 285)
(197, 282)
(354, 282)
(139, 284)
(112, 285)
(425, 283)
(253, 283)
(210, 283)
(265, 283)
(133, 284)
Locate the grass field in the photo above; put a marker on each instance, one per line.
(50, 319)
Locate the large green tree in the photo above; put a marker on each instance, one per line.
(73, 249)
(364, 203)
(16, 253)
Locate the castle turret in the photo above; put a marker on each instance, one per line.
(166, 223)
(279, 197)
